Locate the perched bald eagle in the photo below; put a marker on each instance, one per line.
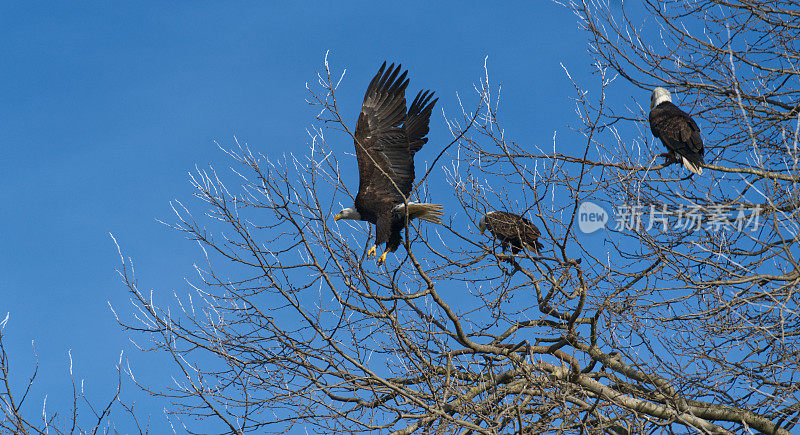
(386, 139)
(512, 229)
(677, 130)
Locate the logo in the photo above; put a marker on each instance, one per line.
(591, 217)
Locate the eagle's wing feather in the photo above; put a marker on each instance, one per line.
(419, 115)
(380, 141)
(416, 128)
(693, 132)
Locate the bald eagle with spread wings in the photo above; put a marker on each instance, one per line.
(386, 139)
(511, 229)
(677, 131)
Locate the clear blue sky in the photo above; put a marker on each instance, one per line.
(105, 107)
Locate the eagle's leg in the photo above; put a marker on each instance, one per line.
(669, 158)
(371, 252)
(382, 258)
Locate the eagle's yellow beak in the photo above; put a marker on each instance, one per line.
(337, 217)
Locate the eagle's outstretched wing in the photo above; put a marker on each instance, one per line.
(382, 151)
(416, 128)
(386, 137)
(419, 115)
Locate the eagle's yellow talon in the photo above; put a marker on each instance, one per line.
(383, 258)
(371, 252)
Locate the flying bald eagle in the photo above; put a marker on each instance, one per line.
(677, 130)
(386, 139)
(512, 229)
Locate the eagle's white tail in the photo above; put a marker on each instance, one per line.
(424, 211)
(691, 166)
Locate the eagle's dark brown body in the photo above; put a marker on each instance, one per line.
(677, 131)
(511, 229)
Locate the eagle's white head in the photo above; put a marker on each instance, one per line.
(660, 95)
(348, 213)
(482, 223)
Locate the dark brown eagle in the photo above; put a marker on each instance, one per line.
(677, 130)
(386, 139)
(511, 229)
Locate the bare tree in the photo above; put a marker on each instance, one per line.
(652, 326)
(21, 416)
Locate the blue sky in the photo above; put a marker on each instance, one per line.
(107, 105)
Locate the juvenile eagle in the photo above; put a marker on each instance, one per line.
(677, 130)
(386, 139)
(512, 229)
